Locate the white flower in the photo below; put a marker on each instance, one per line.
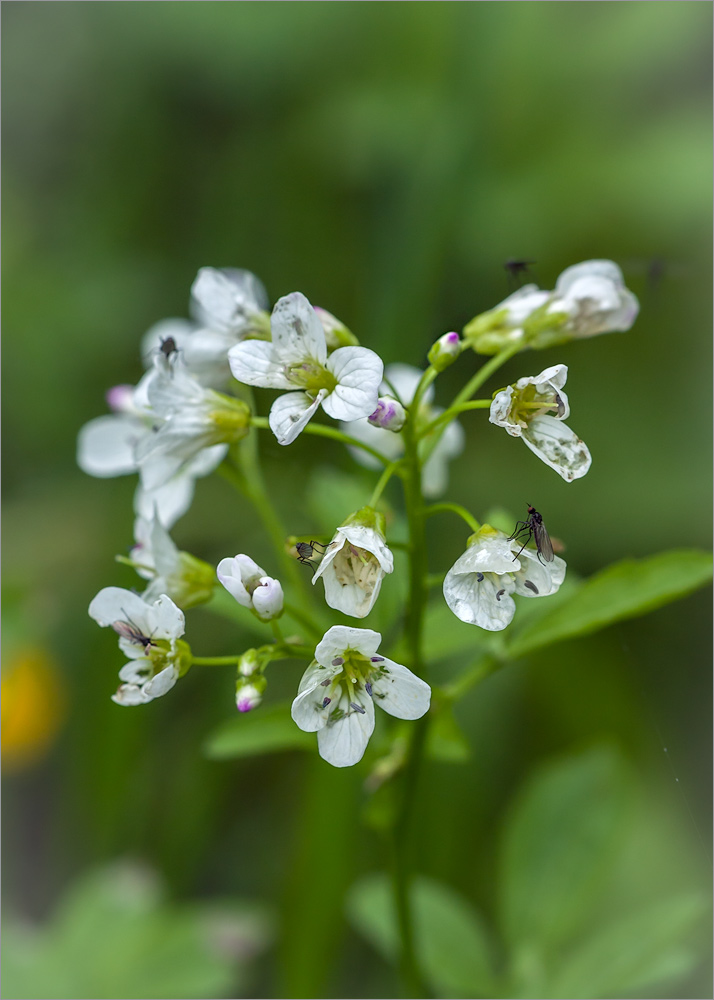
(403, 380)
(186, 579)
(107, 447)
(479, 585)
(355, 563)
(338, 690)
(229, 300)
(194, 419)
(345, 383)
(588, 299)
(533, 409)
(595, 296)
(149, 634)
(251, 586)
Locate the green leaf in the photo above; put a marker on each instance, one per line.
(332, 496)
(451, 940)
(640, 951)
(624, 590)
(559, 844)
(264, 730)
(114, 936)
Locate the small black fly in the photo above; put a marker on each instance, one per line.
(128, 630)
(534, 528)
(517, 269)
(306, 551)
(168, 347)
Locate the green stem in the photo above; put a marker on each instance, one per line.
(455, 508)
(214, 661)
(322, 430)
(418, 593)
(474, 383)
(448, 415)
(382, 482)
(302, 619)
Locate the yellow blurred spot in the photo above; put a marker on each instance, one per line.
(33, 707)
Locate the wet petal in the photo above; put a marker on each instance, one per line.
(257, 362)
(343, 742)
(482, 599)
(298, 334)
(558, 446)
(291, 412)
(400, 692)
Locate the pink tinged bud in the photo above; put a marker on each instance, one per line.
(445, 351)
(390, 414)
(268, 598)
(248, 697)
(120, 398)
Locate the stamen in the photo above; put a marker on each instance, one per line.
(479, 577)
(376, 659)
(338, 661)
(532, 586)
(326, 702)
(498, 594)
(356, 707)
(324, 684)
(368, 688)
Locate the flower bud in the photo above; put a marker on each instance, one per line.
(445, 351)
(251, 587)
(389, 415)
(336, 333)
(120, 398)
(249, 695)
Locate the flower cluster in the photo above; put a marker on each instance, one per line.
(193, 412)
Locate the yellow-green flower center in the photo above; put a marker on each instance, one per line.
(311, 376)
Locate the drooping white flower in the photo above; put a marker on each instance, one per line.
(345, 384)
(149, 634)
(479, 586)
(186, 579)
(355, 563)
(534, 409)
(107, 447)
(338, 691)
(589, 298)
(194, 419)
(403, 379)
(251, 586)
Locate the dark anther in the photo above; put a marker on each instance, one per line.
(377, 659)
(499, 593)
(479, 577)
(338, 661)
(368, 688)
(326, 702)
(324, 684)
(356, 707)
(532, 586)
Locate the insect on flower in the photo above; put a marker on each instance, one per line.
(534, 528)
(128, 630)
(168, 346)
(517, 269)
(306, 551)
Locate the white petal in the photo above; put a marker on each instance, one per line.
(130, 694)
(114, 604)
(535, 579)
(342, 637)
(480, 599)
(297, 332)
(257, 362)
(206, 461)
(170, 501)
(400, 692)
(165, 619)
(500, 411)
(223, 297)
(607, 269)
(206, 356)
(343, 743)
(163, 550)
(268, 598)
(349, 598)
(367, 538)
(161, 683)
(359, 373)
(105, 446)
(487, 554)
(307, 708)
(291, 412)
(559, 447)
(136, 671)
(235, 573)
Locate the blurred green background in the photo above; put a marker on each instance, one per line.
(384, 159)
